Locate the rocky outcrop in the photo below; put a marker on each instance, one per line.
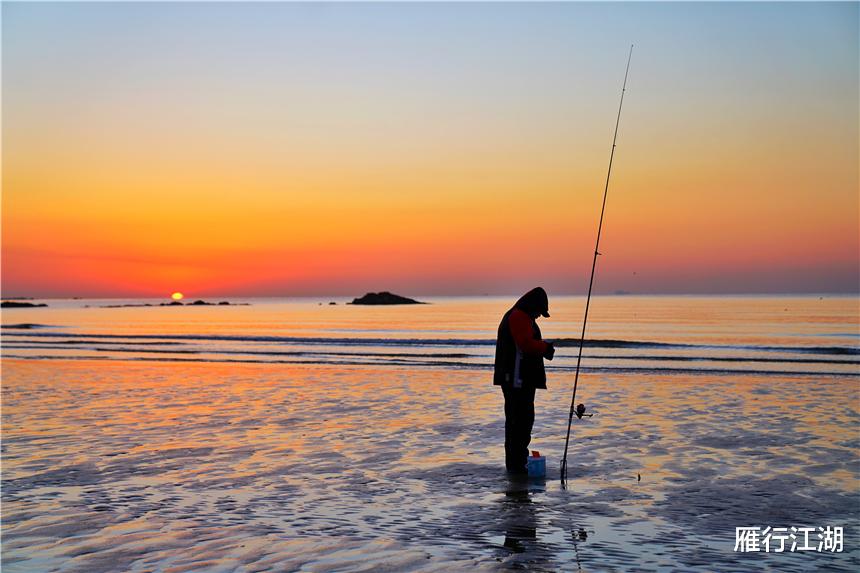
(384, 297)
(19, 304)
(178, 303)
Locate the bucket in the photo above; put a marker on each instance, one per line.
(536, 465)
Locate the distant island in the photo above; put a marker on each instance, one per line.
(384, 298)
(19, 304)
(177, 303)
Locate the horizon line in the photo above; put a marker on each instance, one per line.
(472, 295)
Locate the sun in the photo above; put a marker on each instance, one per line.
(177, 296)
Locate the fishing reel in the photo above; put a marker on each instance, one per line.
(580, 411)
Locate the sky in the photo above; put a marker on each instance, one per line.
(429, 149)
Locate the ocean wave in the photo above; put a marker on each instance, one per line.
(115, 346)
(451, 365)
(429, 342)
(250, 352)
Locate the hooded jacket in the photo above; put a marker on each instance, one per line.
(519, 348)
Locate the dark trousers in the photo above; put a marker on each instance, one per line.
(519, 419)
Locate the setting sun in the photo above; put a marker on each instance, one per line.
(177, 296)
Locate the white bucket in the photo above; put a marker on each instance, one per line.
(536, 466)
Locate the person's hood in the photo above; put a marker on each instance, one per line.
(534, 302)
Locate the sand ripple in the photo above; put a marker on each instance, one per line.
(207, 467)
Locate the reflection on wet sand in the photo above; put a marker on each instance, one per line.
(518, 516)
(121, 466)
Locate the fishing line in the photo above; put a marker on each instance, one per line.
(580, 409)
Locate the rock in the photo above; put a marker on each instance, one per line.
(18, 304)
(384, 298)
(332, 302)
(178, 303)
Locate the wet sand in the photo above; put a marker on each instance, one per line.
(117, 466)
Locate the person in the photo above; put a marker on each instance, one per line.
(519, 370)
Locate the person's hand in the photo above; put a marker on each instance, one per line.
(550, 351)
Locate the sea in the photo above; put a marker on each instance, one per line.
(309, 434)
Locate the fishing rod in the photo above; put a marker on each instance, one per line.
(580, 410)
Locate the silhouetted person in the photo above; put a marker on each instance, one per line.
(519, 371)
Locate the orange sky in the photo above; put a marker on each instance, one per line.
(294, 149)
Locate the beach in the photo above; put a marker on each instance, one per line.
(256, 257)
(293, 435)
